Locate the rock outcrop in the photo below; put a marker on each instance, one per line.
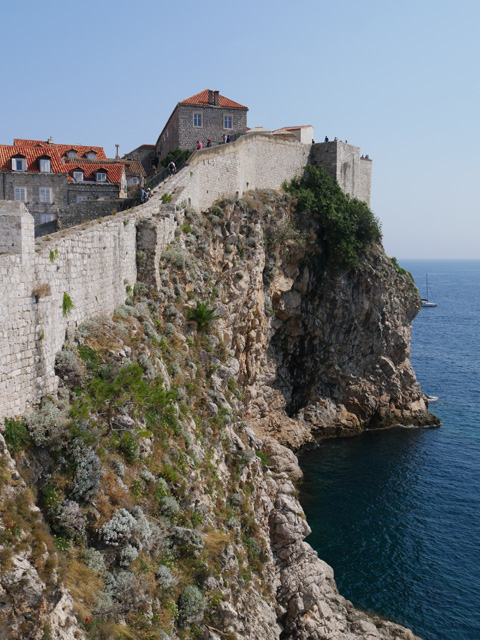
(161, 470)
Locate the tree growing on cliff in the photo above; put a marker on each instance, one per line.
(346, 225)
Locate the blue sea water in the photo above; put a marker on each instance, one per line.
(396, 513)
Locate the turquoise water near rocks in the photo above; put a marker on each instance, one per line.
(397, 513)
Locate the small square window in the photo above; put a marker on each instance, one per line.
(72, 153)
(45, 165)
(101, 176)
(197, 119)
(78, 176)
(46, 194)
(19, 164)
(227, 122)
(91, 155)
(82, 198)
(20, 193)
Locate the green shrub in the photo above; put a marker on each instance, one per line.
(16, 435)
(67, 304)
(129, 446)
(202, 314)
(347, 226)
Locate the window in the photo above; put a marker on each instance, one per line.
(82, 198)
(92, 155)
(20, 193)
(197, 119)
(227, 122)
(78, 176)
(101, 176)
(72, 153)
(46, 194)
(45, 165)
(135, 180)
(19, 164)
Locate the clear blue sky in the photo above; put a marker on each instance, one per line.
(398, 79)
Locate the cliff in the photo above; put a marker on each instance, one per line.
(153, 496)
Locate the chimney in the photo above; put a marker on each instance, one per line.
(215, 98)
(210, 97)
(117, 157)
(50, 140)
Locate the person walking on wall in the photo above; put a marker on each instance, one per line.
(209, 143)
(229, 138)
(326, 138)
(171, 168)
(224, 138)
(199, 145)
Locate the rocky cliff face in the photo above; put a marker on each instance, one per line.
(158, 496)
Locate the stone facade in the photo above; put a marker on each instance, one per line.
(343, 162)
(145, 154)
(206, 115)
(94, 191)
(33, 183)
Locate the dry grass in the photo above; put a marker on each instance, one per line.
(42, 291)
(216, 541)
(84, 584)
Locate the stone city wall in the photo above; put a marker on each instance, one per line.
(91, 266)
(254, 161)
(94, 263)
(343, 162)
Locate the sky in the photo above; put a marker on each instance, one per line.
(398, 79)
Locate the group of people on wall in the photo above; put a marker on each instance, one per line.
(226, 138)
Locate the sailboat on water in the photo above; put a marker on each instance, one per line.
(425, 301)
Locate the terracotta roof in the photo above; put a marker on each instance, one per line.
(114, 171)
(201, 99)
(132, 167)
(32, 154)
(62, 148)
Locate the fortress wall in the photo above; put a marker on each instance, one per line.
(93, 263)
(92, 266)
(342, 162)
(365, 179)
(254, 161)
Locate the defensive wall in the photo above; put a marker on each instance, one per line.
(91, 265)
(344, 164)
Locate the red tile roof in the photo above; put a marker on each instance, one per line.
(114, 171)
(32, 154)
(201, 99)
(62, 148)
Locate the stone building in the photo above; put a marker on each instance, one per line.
(47, 176)
(35, 176)
(200, 117)
(145, 154)
(303, 134)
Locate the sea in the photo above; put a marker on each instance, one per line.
(396, 513)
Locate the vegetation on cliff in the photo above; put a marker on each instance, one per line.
(160, 509)
(347, 227)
